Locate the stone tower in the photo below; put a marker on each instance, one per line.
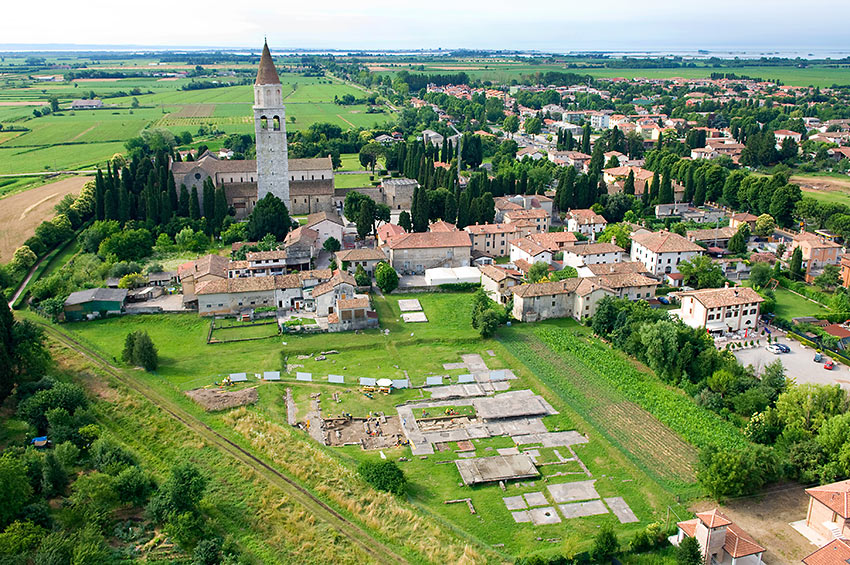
(270, 128)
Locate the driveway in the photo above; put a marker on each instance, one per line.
(798, 364)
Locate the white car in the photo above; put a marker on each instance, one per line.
(775, 349)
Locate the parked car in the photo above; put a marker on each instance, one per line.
(818, 358)
(829, 365)
(774, 348)
(783, 347)
(663, 300)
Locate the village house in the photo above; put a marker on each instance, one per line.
(539, 216)
(721, 310)
(576, 298)
(554, 241)
(586, 222)
(398, 193)
(845, 271)
(86, 104)
(783, 134)
(712, 237)
(661, 252)
(720, 540)
(259, 264)
(208, 267)
(366, 257)
(388, 230)
(616, 177)
(327, 225)
(497, 282)
(526, 250)
(817, 251)
(326, 294)
(581, 253)
(737, 220)
(627, 279)
(492, 239)
(441, 226)
(828, 513)
(836, 552)
(415, 252)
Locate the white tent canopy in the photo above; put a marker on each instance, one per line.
(436, 277)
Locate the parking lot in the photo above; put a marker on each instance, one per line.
(798, 364)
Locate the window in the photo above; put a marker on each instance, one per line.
(197, 176)
(276, 123)
(264, 122)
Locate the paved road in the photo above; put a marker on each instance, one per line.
(798, 364)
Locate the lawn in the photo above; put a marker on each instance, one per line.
(646, 481)
(352, 181)
(790, 305)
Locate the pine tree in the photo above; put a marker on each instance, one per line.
(194, 206)
(629, 186)
(183, 202)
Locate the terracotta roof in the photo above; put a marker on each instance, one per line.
(546, 288)
(338, 279)
(709, 234)
(585, 216)
(247, 284)
(718, 297)
(479, 229)
(441, 226)
(301, 234)
(319, 274)
(526, 214)
(388, 230)
(267, 73)
(495, 273)
(640, 172)
(528, 246)
(522, 265)
(553, 241)
(617, 268)
(713, 518)
(429, 240)
(352, 303)
(836, 496)
(362, 254)
(234, 265)
(318, 217)
(739, 543)
(502, 203)
(215, 265)
(266, 255)
(812, 240)
(333, 318)
(311, 164)
(689, 526)
(665, 242)
(593, 248)
(836, 552)
(838, 331)
(625, 280)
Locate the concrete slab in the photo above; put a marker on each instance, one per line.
(543, 516)
(581, 509)
(453, 366)
(507, 451)
(621, 510)
(433, 381)
(466, 379)
(414, 317)
(521, 516)
(409, 305)
(457, 391)
(550, 439)
(573, 492)
(516, 404)
(466, 454)
(474, 362)
(497, 468)
(515, 502)
(535, 499)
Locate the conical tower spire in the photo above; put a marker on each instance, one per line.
(267, 73)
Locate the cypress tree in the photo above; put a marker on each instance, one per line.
(689, 184)
(99, 197)
(172, 193)
(585, 139)
(699, 190)
(183, 203)
(220, 209)
(420, 217)
(152, 206)
(450, 212)
(629, 186)
(654, 187)
(123, 204)
(194, 205)
(209, 200)
(665, 194)
(165, 210)
(404, 221)
(110, 204)
(463, 211)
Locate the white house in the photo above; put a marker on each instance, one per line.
(328, 225)
(526, 250)
(586, 222)
(723, 310)
(661, 252)
(592, 254)
(598, 120)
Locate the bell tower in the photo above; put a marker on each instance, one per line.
(270, 129)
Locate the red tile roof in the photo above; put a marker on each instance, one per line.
(836, 552)
(835, 496)
(739, 543)
(429, 240)
(713, 518)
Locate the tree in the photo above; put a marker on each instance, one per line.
(830, 278)
(764, 225)
(532, 126)
(796, 264)
(194, 205)
(270, 216)
(605, 545)
(737, 244)
(54, 478)
(365, 217)
(665, 194)
(361, 277)
(181, 493)
(538, 272)
(702, 272)
(629, 185)
(331, 245)
(15, 489)
(144, 352)
(133, 280)
(488, 322)
(207, 552)
(385, 277)
(688, 552)
(511, 125)
(760, 274)
(383, 475)
(736, 472)
(24, 258)
(404, 221)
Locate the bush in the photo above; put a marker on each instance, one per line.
(360, 276)
(110, 457)
(383, 475)
(139, 350)
(386, 277)
(605, 545)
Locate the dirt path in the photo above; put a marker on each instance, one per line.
(346, 121)
(82, 133)
(825, 184)
(22, 212)
(320, 510)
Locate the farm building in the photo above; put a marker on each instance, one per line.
(94, 303)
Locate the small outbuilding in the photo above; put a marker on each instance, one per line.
(94, 303)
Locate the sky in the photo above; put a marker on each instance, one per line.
(545, 25)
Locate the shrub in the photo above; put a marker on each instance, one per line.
(383, 475)
(139, 350)
(386, 277)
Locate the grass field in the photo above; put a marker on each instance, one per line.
(790, 305)
(648, 483)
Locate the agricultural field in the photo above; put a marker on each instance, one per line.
(827, 188)
(20, 213)
(648, 483)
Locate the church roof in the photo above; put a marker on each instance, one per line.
(267, 73)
